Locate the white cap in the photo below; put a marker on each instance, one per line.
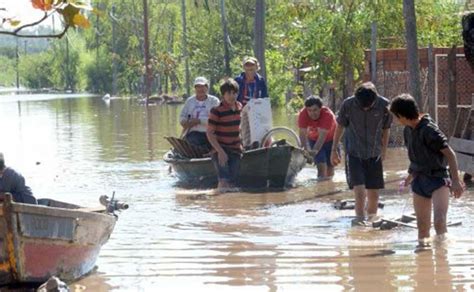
(201, 81)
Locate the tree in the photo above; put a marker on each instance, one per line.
(412, 49)
(69, 11)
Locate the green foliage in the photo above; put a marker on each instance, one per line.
(99, 74)
(279, 76)
(7, 71)
(328, 36)
(36, 70)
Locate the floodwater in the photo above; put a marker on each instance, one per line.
(77, 148)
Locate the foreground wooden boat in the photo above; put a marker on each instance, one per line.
(50, 239)
(272, 168)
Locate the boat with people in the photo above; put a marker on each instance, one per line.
(271, 167)
(52, 238)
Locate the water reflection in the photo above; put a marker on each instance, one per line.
(77, 148)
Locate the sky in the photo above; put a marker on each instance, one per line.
(21, 10)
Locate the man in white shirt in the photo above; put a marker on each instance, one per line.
(195, 113)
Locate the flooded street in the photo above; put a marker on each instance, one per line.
(78, 148)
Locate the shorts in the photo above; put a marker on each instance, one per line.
(424, 185)
(230, 171)
(324, 155)
(367, 172)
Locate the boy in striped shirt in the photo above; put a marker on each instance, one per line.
(223, 132)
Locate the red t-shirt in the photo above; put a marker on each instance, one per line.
(326, 120)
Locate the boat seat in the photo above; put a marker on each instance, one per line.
(186, 149)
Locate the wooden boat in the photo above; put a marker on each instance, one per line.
(263, 168)
(51, 239)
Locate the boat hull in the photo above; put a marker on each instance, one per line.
(263, 168)
(39, 242)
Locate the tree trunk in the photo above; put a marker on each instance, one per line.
(259, 48)
(148, 71)
(185, 47)
(226, 40)
(412, 49)
(452, 94)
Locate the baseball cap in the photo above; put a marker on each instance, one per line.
(201, 81)
(250, 60)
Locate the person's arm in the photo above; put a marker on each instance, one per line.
(186, 120)
(457, 187)
(335, 156)
(211, 136)
(303, 133)
(185, 115)
(385, 138)
(319, 143)
(264, 88)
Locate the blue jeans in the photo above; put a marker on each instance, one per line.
(198, 139)
(230, 171)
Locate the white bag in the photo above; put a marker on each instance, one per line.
(260, 118)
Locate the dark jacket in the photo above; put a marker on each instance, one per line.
(261, 90)
(424, 143)
(14, 183)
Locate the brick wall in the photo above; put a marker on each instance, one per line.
(392, 79)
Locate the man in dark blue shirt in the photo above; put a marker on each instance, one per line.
(12, 182)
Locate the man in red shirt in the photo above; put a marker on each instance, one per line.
(317, 124)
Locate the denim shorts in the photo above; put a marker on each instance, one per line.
(425, 185)
(324, 155)
(230, 171)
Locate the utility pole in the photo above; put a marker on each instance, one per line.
(226, 40)
(260, 35)
(373, 53)
(114, 55)
(68, 84)
(17, 54)
(185, 46)
(148, 72)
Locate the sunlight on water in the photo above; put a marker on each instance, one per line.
(171, 239)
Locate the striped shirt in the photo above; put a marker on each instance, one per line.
(225, 122)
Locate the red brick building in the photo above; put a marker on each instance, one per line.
(392, 79)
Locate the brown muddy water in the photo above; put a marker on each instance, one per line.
(77, 148)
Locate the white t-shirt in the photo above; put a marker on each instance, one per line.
(196, 109)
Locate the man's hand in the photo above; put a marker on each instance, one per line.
(335, 157)
(222, 158)
(383, 154)
(407, 181)
(457, 188)
(191, 123)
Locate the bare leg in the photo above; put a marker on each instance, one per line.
(359, 192)
(422, 207)
(223, 186)
(322, 170)
(330, 171)
(440, 209)
(372, 201)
